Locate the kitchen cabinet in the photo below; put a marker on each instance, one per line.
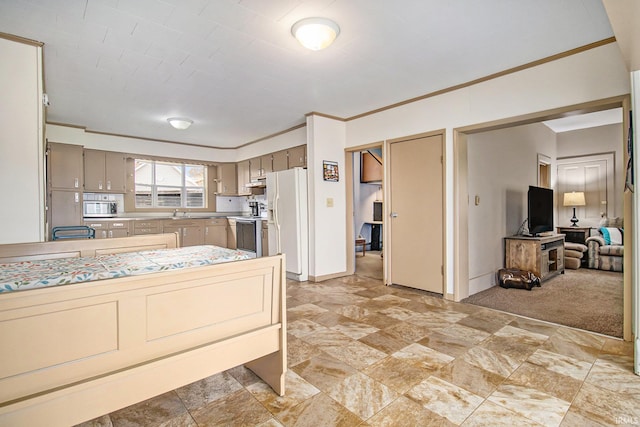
(255, 168)
(280, 161)
(104, 171)
(65, 208)
(191, 231)
(215, 232)
(227, 179)
(109, 229)
(147, 226)
(232, 242)
(266, 164)
(297, 156)
(64, 166)
(244, 177)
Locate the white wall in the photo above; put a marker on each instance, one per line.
(327, 227)
(591, 75)
(502, 165)
(21, 143)
(601, 139)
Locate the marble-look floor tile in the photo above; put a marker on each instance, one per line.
(356, 354)
(575, 419)
(103, 421)
(465, 333)
(491, 361)
(533, 325)
(490, 414)
(298, 350)
(469, 377)
(512, 348)
(445, 399)
(424, 357)
(163, 410)
(521, 335)
(354, 330)
(380, 321)
(301, 327)
(362, 395)
(609, 376)
(329, 319)
(391, 299)
(319, 410)
(531, 403)
(397, 373)
(297, 390)
(384, 342)
(605, 406)
(354, 312)
(556, 344)
(406, 412)
(327, 338)
(555, 384)
(482, 323)
(453, 346)
(202, 392)
(236, 409)
(399, 313)
(306, 310)
(270, 423)
(243, 375)
(429, 321)
(408, 332)
(583, 338)
(324, 371)
(564, 365)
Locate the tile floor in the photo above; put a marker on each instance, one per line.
(362, 354)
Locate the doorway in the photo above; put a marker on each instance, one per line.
(416, 212)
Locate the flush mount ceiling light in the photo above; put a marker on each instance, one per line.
(315, 33)
(180, 122)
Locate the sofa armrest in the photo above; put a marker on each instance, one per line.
(593, 245)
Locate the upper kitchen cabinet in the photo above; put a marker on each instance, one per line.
(64, 166)
(255, 168)
(104, 171)
(266, 164)
(298, 156)
(280, 161)
(227, 179)
(244, 177)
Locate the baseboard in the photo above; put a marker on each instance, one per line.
(328, 276)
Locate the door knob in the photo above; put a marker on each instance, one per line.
(394, 214)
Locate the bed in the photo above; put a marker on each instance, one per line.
(72, 352)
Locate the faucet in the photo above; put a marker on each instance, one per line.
(175, 213)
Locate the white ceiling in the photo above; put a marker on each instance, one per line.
(582, 121)
(124, 66)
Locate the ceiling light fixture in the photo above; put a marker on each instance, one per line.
(180, 122)
(315, 33)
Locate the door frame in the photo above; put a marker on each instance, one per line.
(461, 193)
(349, 156)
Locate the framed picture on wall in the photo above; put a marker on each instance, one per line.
(330, 171)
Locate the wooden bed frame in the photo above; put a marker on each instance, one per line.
(72, 353)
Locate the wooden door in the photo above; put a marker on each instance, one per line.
(416, 245)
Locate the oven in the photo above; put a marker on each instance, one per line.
(249, 235)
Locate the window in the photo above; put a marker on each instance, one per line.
(170, 185)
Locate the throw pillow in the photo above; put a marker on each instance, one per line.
(611, 235)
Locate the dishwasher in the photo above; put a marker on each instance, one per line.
(249, 236)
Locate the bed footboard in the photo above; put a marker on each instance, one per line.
(72, 353)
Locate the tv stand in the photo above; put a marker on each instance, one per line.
(543, 256)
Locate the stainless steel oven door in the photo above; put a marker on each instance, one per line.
(249, 236)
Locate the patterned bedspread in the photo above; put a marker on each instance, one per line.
(37, 274)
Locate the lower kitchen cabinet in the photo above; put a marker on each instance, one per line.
(232, 236)
(215, 232)
(147, 226)
(265, 239)
(191, 231)
(65, 208)
(109, 229)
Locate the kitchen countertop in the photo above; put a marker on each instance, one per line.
(148, 218)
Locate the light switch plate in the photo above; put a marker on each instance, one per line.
(329, 202)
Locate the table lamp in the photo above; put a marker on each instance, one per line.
(573, 199)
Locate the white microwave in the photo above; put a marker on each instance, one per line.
(99, 209)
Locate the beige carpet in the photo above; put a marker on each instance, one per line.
(583, 298)
(369, 265)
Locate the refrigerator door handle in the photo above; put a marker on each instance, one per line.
(276, 220)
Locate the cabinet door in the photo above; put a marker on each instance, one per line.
(244, 177)
(94, 168)
(231, 235)
(215, 235)
(64, 166)
(65, 208)
(228, 179)
(118, 232)
(192, 236)
(172, 229)
(265, 240)
(266, 164)
(115, 172)
(255, 168)
(101, 227)
(280, 161)
(298, 156)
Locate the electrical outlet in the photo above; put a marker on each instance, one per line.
(329, 202)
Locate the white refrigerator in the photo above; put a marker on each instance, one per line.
(287, 220)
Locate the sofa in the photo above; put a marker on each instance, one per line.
(606, 250)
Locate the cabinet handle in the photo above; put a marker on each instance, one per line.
(99, 185)
(108, 185)
(110, 233)
(76, 183)
(77, 197)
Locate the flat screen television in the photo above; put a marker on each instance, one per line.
(540, 210)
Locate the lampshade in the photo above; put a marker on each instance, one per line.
(315, 33)
(180, 122)
(575, 198)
